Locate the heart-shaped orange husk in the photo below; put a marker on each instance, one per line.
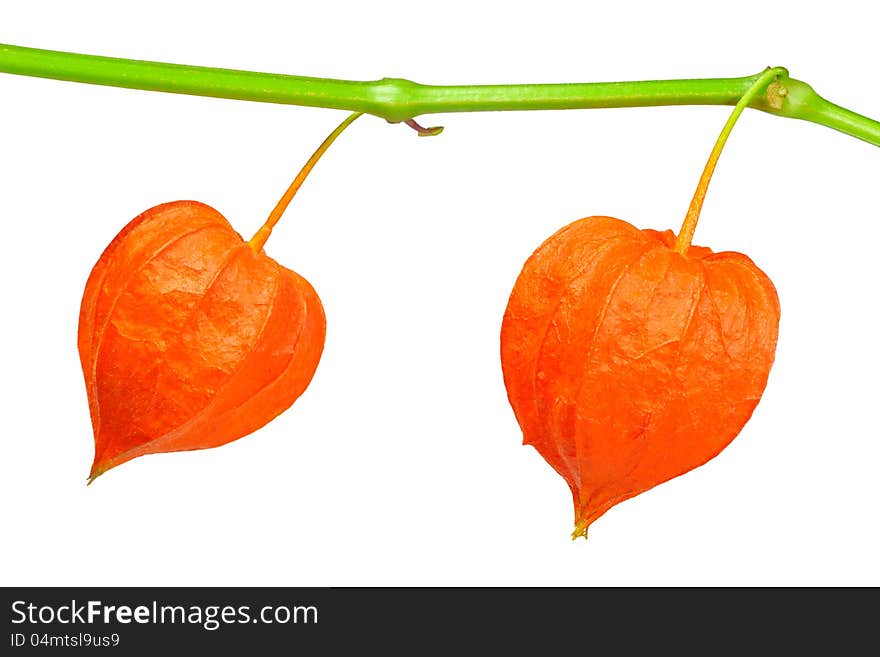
(189, 338)
(627, 363)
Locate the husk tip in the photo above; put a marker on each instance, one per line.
(580, 529)
(96, 472)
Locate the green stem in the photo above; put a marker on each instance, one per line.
(398, 100)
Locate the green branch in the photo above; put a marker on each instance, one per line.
(398, 100)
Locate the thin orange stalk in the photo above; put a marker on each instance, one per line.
(686, 234)
(260, 237)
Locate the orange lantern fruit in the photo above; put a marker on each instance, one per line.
(627, 363)
(631, 357)
(190, 337)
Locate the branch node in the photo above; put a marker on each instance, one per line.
(776, 94)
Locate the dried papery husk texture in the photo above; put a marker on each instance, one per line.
(188, 338)
(628, 364)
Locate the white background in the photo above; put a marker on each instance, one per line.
(402, 463)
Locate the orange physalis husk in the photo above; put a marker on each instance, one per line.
(631, 357)
(628, 364)
(190, 337)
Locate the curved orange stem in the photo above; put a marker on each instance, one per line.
(686, 234)
(260, 237)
